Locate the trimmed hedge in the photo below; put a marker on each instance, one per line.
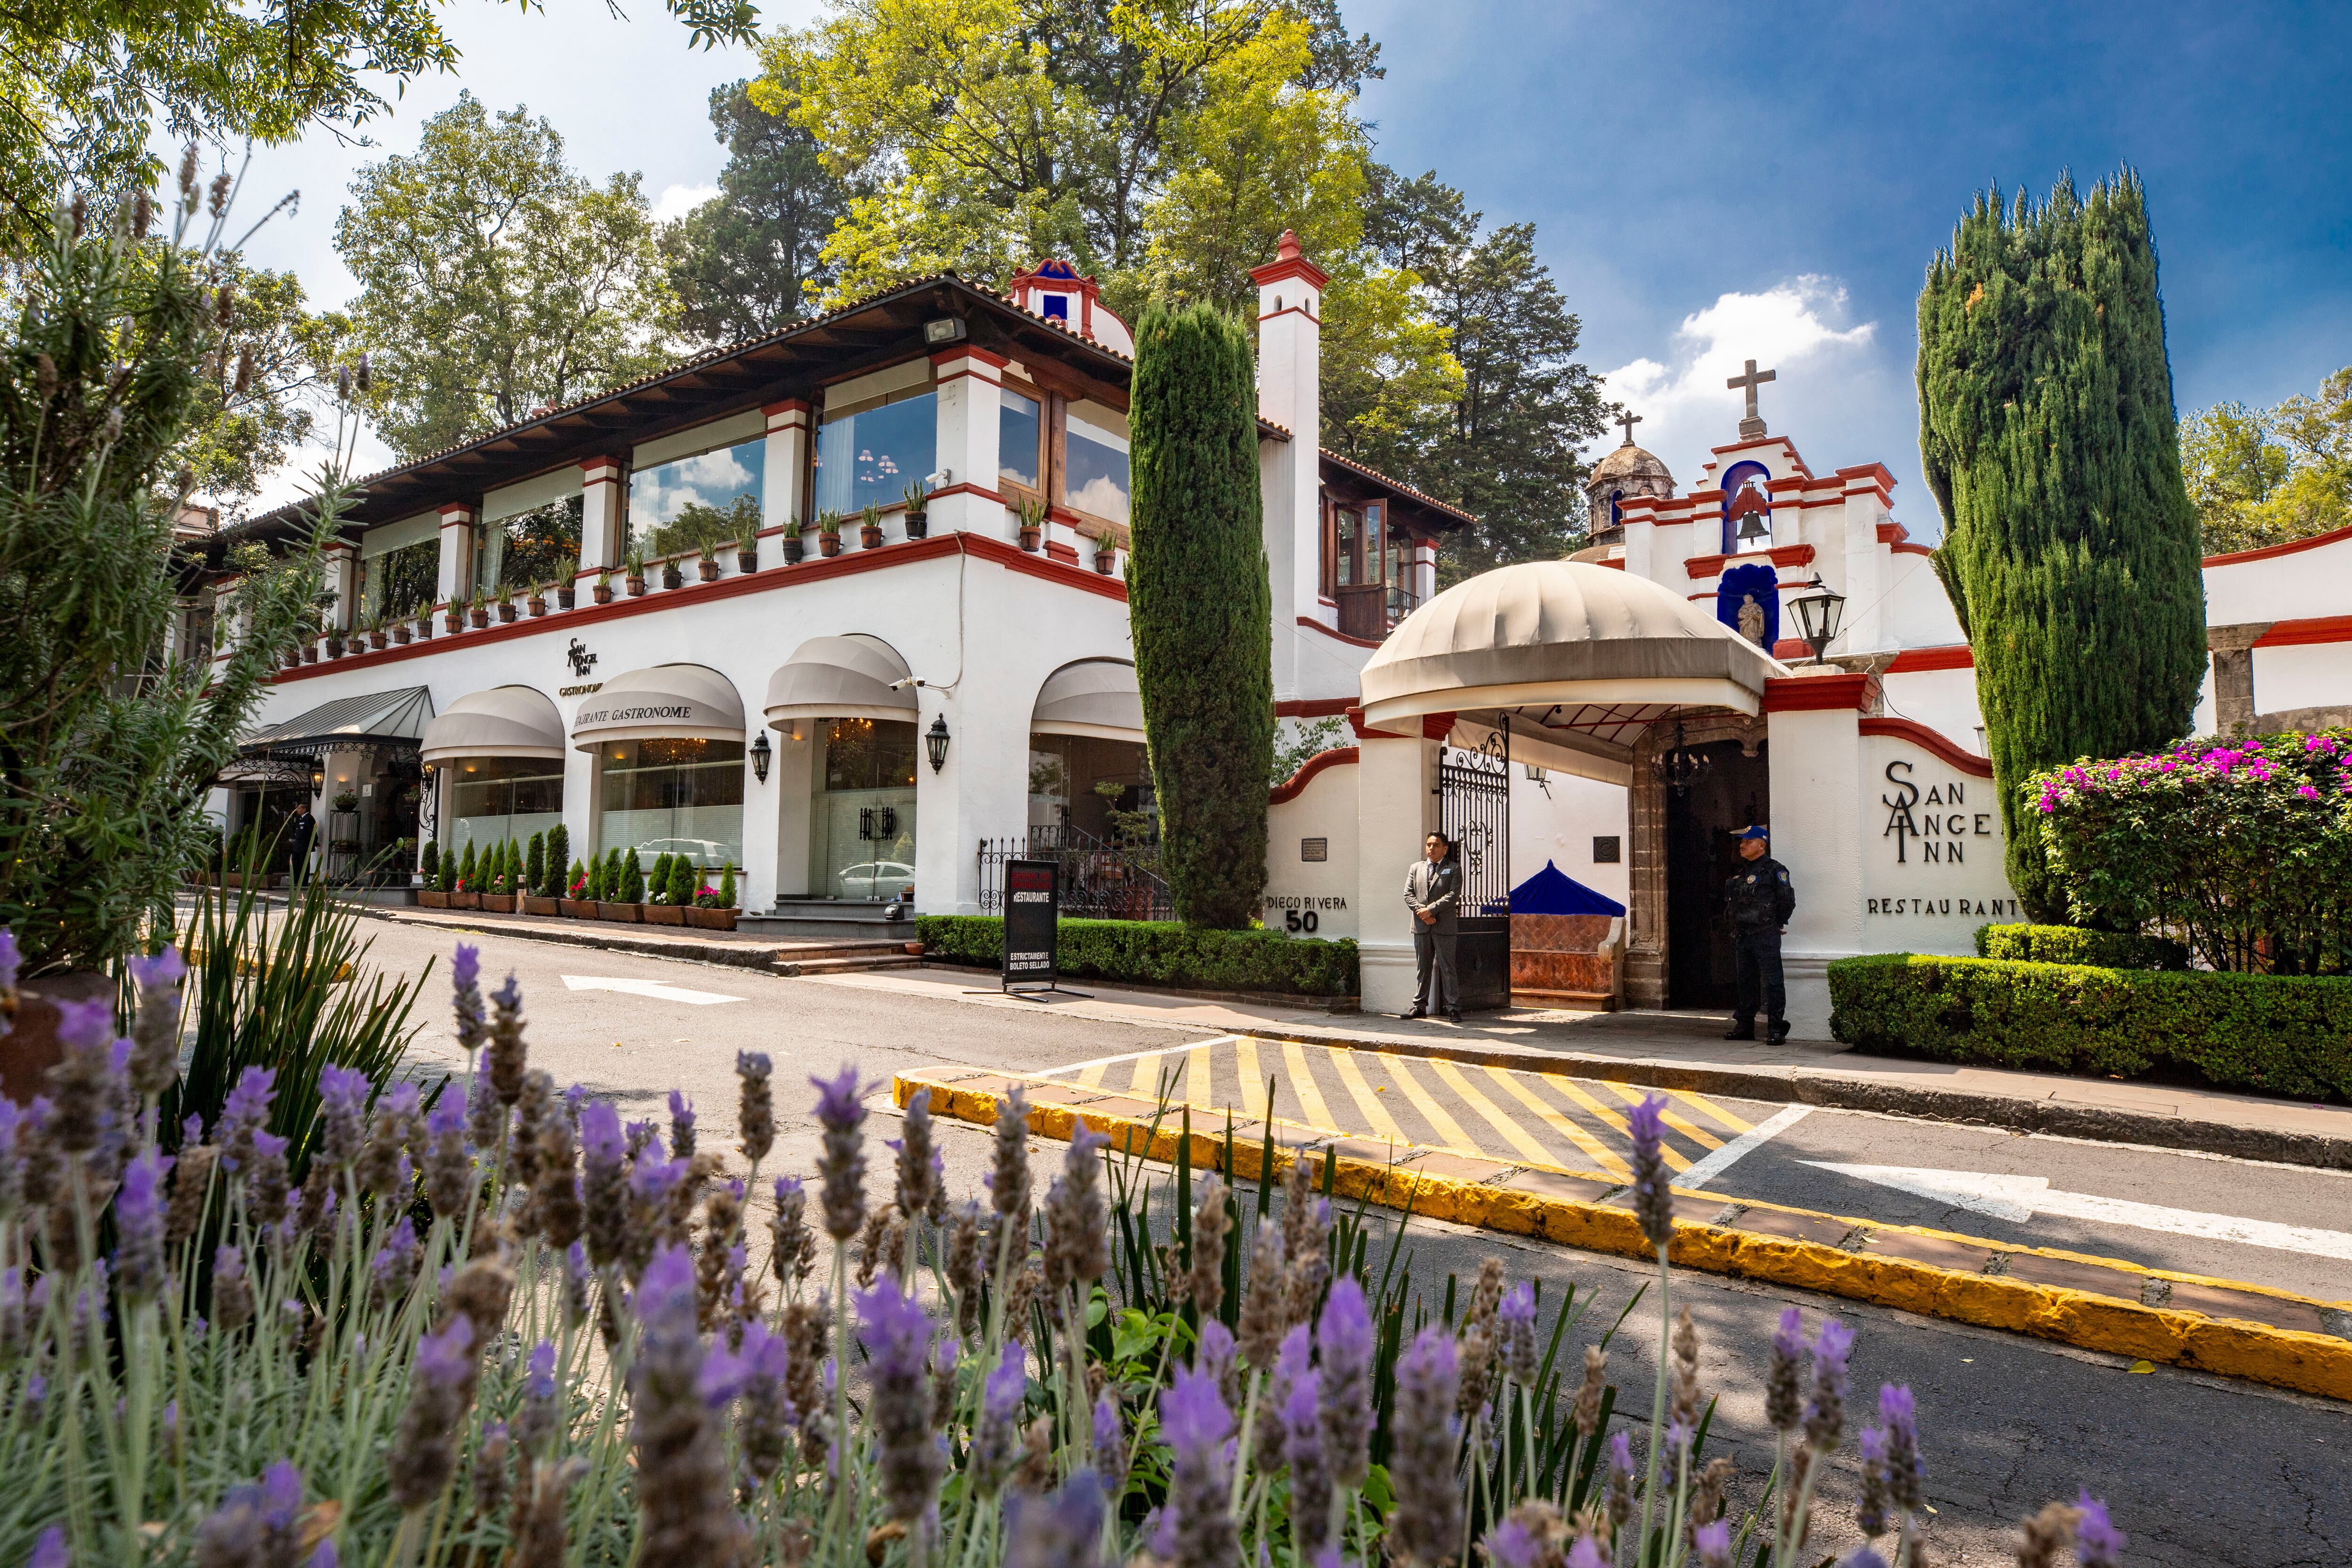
(2073, 945)
(1161, 953)
(2278, 1034)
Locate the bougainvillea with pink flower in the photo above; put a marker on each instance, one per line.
(2242, 848)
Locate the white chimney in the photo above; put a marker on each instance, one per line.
(1289, 394)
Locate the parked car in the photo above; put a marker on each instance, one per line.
(873, 879)
(701, 852)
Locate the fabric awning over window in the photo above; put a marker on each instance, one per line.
(391, 721)
(505, 721)
(840, 677)
(668, 702)
(1094, 697)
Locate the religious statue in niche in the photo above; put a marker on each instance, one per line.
(1751, 620)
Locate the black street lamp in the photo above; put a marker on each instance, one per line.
(760, 752)
(935, 741)
(1817, 613)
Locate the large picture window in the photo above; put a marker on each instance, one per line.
(869, 458)
(672, 797)
(864, 842)
(1020, 431)
(528, 549)
(494, 798)
(1095, 480)
(710, 498)
(401, 582)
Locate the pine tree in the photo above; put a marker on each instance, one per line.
(445, 880)
(578, 878)
(429, 862)
(559, 854)
(613, 875)
(685, 882)
(632, 880)
(597, 878)
(2048, 436)
(658, 882)
(470, 870)
(727, 887)
(535, 867)
(1201, 610)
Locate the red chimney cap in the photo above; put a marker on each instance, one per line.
(1289, 261)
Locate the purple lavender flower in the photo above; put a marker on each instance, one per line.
(1344, 1338)
(1109, 1441)
(1870, 1506)
(897, 1339)
(1621, 1474)
(1427, 1524)
(245, 1112)
(139, 1228)
(49, 1551)
(536, 1423)
(1061, 1530)
(423, 1450)
(1585, 1554)
(682, 1481)
(11, 961)
(1653, 1204)
(1518, 1315)
(325, 1556)
(466, 982)
(605, 1183)
(842, 1162)
(1198, 1529)
(2097, 1543)
(756, 1116)
(342, 1105)
(155, 1022)
(996, 1436)
(681, 1127)
(258, 1522)
(1862, 1557)
(1905, 1473)
(1008, 1175)
(1784, 1405)
(1310, 1474)
(1077, 1222)
(88, 1083)
(448, 1164)
(1510, 1544)
(765, 1430)
(392, 1270)
(232, 1290)
(1713, 1545)
(916, 1194)
(1825, 1411)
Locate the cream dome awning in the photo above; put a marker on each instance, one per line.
(1580, 658)
(666, 702)
(1092, 698)
(505, 721)
(856, 676)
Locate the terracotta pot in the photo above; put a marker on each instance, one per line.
(602, 593)
(708, 570)
(914, 949)
(505, 611)
(498, 903)
(663, 914)
(481, 618)
(400, 634)
(919, 526)
(538, 606)
(711, 919)
(672, 578)
(564, 598)
(869, 535)
(636, 587)
(432, 898)
(534, 904)
(310, 652)
(293, 660)
(627, 913)
(453, 621)
(378, 641)
(576, 908)
(30, 1048)
(335, 647)
(1029, 538)
(747, 561)
(465, 901)
(828, 545)
(1104, 560)
(794, 549)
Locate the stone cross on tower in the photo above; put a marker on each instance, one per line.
(1752, 425)
(1629, 420)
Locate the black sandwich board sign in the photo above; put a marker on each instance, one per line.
(1033, 899)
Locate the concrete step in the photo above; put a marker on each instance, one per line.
(1585, 1001)
(846, 965)
(814, 919)
(795, 951)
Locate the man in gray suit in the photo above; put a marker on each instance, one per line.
(1432, 891)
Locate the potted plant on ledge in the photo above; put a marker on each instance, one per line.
(401, 629)
(1033, 525)
(828, 534)
(507, 611)
(465, 885)
(747, 554)
(477, 613)
(869, 528)
(602, 589)
(432, 891)
(795, 548)
(918, 522)
(634, 569)
(714, 909)
(566, 583)
(624, 889)
(706, 565)
(672, 578)
(376, 639)
(537, 603)
(1106, 551)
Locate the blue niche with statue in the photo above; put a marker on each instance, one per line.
(1759, 582)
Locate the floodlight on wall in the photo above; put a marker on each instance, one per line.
(760, 752)
(1817, 612)
(944, 329)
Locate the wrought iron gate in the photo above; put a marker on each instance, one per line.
(1474, 809)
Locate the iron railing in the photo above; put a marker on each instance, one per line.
(1101, 878)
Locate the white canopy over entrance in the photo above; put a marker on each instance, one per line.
(1581, 659)
(668, 702)
(856, 676)
(1095, 697)
(505, 721)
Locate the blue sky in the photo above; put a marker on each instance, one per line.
(1708, 181)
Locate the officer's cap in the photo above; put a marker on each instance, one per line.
(1756, 833)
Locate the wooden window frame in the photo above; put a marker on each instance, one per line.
(1012, 489)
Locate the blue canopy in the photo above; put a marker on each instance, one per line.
(1552, 891)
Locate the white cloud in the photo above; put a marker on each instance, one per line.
(677, 201)
(1791, 328)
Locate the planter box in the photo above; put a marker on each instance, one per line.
(465, 901)
(1104, 561)
(627, 913)
(711, 919)
(481, 618)
(576, 908)
(432, 898)
(665, 915)
(506, 611)
(532, 904)
(378, 641)
(498, 903)
(400, 635)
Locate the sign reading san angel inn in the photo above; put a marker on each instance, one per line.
(874, 721)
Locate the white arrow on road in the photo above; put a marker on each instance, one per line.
(654, 988)
(2019, 1198)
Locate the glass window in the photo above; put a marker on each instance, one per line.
(864, 842)
(1093, 784)
(713, 497)
(401, 581)
(1349, 534)
(1095, 479)
(1019, 425)
(531, 547)
(494, 798)
(673, 798)
(871, 457)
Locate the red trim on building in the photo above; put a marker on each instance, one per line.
(1309, 621)
(966, 352)
(1290, 789)
(1817, 694)
(1434, 727)
(1289, 261)
(1788, 648)
(1892, 533)
(1061, 551)
(1914, 549)
(1292, 310)
(981, 491)
(1780, 555)
(2264, 552)
(789, 405)
(1314, 707)
(1968, 762)
(1615, 563)
(2303, 634)
(1951, 656)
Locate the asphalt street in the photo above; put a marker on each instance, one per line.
(2198, 1469)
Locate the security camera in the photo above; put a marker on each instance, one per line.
(943, 477)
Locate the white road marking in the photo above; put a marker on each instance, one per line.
(653, 989)
(1130, 1056)
(1740, 1147)
(2019, 1198)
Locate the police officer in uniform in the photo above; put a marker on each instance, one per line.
(1758, 901)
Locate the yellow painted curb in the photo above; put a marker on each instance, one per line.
(2283, 1358)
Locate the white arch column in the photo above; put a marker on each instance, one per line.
(1394, 812)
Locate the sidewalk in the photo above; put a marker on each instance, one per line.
(738, 948)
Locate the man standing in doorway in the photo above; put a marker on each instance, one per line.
(300, 829)
(1432, 891)
(1757, 900)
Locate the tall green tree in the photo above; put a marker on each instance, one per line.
(2265, 475)
(749, 260)
(261, 391)
(494, 280)
(2048, 436)
(1201, 609)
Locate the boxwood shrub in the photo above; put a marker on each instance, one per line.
(2071, 945)
(1163, 953)
(2278, 1034)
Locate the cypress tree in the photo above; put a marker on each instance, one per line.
(597, 878)
(727, 887)
(632, 880)
(559, 855)
(578, 879)
(446, 879)
(429, 863)
(2048, 436)
(659, 881)
(1201, 609)
(470, 870)
(535, 866)
(613, 875)
(685, 882)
